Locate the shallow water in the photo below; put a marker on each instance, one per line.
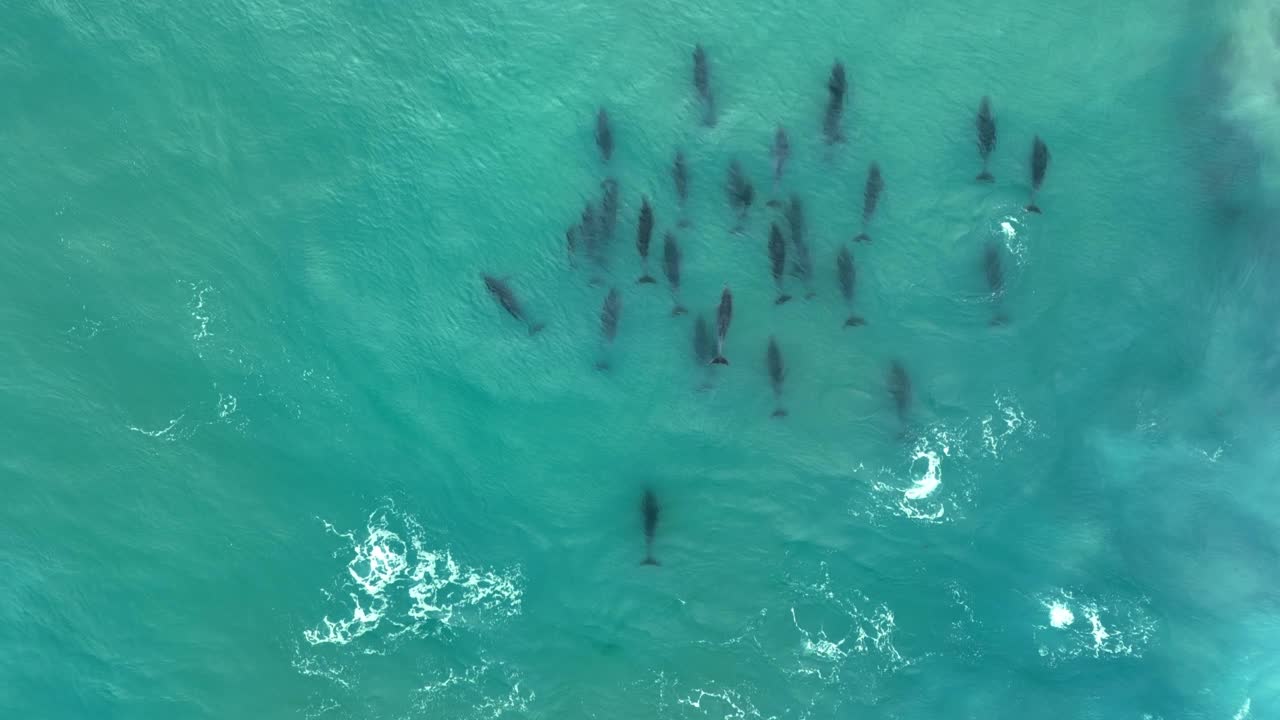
(271, 451)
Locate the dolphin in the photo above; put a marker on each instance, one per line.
(680, 174)
(571, 245)
(1039, 164)
(502, 292)
(781, 152)
(723, 317)
(741, 193)
(610, 312)
(609, 315)
(778, 260)
(649, 508)
(802, 265)
(609, 208)
(846, 274)
(900, 389)
(985, 123)
(702, 83)
(992, 265)
(837, 90)
(671, 266)
(644, 233)
(604, 135)
(777, 373)
(870, 199)
(704, 346)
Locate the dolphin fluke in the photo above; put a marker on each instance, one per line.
(645, 280)
(719, 360)
(998, 319)
(774, 203)
(650, 561)
(678, 310)
(779, 413)
(781, 299)
(603, 365)
(855, 321)
(684, 223)
(862, 237)
(1034, 208)
(986, 177)
(536, 328)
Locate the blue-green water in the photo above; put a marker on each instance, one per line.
(269, 450)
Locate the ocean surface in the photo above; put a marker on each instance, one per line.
(268, 448)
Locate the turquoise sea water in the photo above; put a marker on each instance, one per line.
(269, 450)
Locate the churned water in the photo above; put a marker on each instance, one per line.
(269, 449)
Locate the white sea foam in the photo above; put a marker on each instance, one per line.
(1005, 426)
(162, 432)
(864, 629)
(1116, 627)
(410, 586)
(724, 703)
(1243, 712)
(1060, 615)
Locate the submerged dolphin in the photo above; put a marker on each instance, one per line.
(870, 199)
(649, 509)
(1039, 164)
(502, 292)
(723, 317)
(777, 373)
(985, 124)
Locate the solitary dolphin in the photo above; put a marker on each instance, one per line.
(702, 82)
(985, 123)
(649, 508)
(776, 375)
(644, 233)
(501, 292)
(671, 266)
(994, 269)
(778, 260)
(741, 193)
(680, 174)
(1039, 163)
(900, 389)
(781, 151)
(837, 89)
(847, 275)
(723, 317)
(802, 265)
(870, 199)
(604, 135)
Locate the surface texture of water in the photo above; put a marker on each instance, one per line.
(269, 449)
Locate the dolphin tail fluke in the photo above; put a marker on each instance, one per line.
(810, 295)
(862, 237)
(986, 177)
(782, 299)
(779, 413)
(645, 280)
(603, 365)
(536, 328)
(855, 321)
(1033, 208)
(719, 360)
(684, 223)
(999, 319)
(775, 203)
(678, 310)
(649, 560)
